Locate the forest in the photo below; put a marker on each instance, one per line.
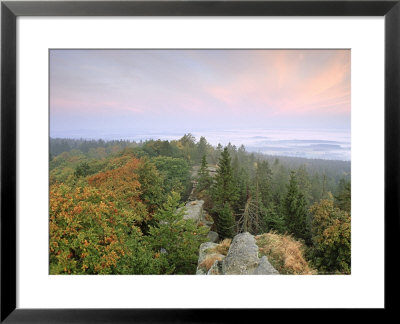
(115, 205)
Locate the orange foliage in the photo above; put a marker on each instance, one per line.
(81, 234)
(124, 183)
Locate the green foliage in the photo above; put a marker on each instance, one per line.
(263, 181)
(176, 174)
(242, 183)
(224, 194)
(224, 190)
(118, 196)
(89, 235)
(204, 179)
(202, 148)
(151, 184)
(82, 170)
(331, 237)
(161, 148)
(304, 183)
(295, 210)
(188, 147)
(225, 221)
(272, 220)
(343, 198)
(180, 238)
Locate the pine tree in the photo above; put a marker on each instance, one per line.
(295, 210)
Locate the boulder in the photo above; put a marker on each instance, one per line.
(203, 250)
(206, 256)
(194, 210)
(265, 268)
(216, 268)
(213, 236)
(242, 257)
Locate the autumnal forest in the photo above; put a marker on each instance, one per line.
(114, 205)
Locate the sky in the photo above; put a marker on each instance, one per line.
(93, 92)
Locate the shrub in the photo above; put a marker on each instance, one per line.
(331, 237)
(90, 235)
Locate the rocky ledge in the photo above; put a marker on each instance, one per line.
(241, 259)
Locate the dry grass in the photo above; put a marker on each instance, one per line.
(221, 248)
(209, 261)
(208, 218)
(285, 253)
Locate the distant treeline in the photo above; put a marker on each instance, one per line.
(113, 204)
(60, 145)
(335, 169)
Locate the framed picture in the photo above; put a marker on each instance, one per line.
(146, 138)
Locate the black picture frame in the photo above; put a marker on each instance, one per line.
(10, 10)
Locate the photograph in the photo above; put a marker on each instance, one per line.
(199, 161)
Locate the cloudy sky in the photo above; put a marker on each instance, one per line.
(182, 90)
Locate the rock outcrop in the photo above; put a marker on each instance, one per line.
(264, 267)
(207, 257)
(241, 259)
(213, 236)
(194, 210)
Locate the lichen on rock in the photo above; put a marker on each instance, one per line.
(241, 259)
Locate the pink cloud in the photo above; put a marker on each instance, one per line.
(280, 87)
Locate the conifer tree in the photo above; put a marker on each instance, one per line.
(204, 179)
(295, 210)
(202, 147)
(343, 198)
(241, 180)
(224, 195)
(225, 222)
(263, 182)
(303, 180)
(224, 190)
(180, 238)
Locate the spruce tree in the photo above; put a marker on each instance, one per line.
(225, 222)
(263, 182)
(303, 180)
(295, 210)
(224, 190)
(343, 198)
(224, 194)
(204, 179)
